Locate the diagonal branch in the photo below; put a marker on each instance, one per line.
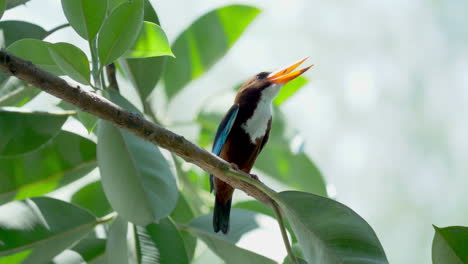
(134, 123)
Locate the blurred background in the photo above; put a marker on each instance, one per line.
(384, 113)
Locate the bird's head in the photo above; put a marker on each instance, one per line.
(266, 85)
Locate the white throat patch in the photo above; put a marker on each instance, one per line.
(257, 124)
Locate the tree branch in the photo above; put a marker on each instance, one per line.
(134, 123)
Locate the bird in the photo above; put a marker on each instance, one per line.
(243, 133)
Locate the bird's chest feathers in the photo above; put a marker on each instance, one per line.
(256, 126)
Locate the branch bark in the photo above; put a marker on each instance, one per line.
(134, 123)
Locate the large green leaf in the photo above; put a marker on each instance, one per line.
(144, 73)
(24, 131)
(289, 89)
(134, 172)
(224, 245)
(92, 197)
(119, 31)
(151, 42)
(14, 30)
(450, 245)
(328, 231)
(90, 250)
(204, 42)
(3, 4)
(64, 159)
(113, 4)
(117, 244)
(258, 207)
(85, 16)
(154, 243)
(183, 214)
(36, 51)
(72, 61)
(41, 228)
(167, 240)
(15, 3)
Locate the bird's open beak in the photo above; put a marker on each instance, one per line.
(286, 74)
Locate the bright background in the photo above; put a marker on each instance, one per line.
(384, 116)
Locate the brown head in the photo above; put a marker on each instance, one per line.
(271, 82)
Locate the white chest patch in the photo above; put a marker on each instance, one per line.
(257, 125)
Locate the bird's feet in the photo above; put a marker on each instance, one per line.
(255, 177)
(235, 166)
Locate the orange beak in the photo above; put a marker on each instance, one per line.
(286, 74)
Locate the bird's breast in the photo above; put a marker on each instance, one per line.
(256, 126)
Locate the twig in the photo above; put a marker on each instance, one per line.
(111, 78)
(134, 123)
(57, 28)
(283, 233)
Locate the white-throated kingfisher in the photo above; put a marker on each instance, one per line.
(243, 132)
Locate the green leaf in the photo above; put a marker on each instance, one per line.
(328, 231)
(24, 131)
(15, 3)
(224, 245)
(88, 120)
(150, 14)
(90, 249)
(145, 73)
(298, 253)
(183, 214)
(289, 89)
(258, 207)
(151, 42)
(120, 31)
(15, 30)
(64, 159)
(450, 245)
(36, 51)
(202, 44)
(133, 171)
(117, 243)
(92, 198)
(113, 4)
(41, 227)
(295, 169)
(14, 92)
(72, 61)
(154, 243)
(3, 4)
(165, 238)
(85, 16)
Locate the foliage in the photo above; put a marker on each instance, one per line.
(149, 206)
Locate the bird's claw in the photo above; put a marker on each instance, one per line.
(235, 166)
(255, 177)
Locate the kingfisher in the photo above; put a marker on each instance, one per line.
(244, 131)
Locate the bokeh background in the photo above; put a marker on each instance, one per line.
(384, 115)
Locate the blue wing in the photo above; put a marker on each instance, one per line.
(222, 134)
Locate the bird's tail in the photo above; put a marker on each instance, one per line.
(221, 216)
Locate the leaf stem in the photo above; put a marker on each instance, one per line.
(57, 28)
(107, 218)
(283, 232)
(95, 63)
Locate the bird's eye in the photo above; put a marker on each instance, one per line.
(262, 75)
